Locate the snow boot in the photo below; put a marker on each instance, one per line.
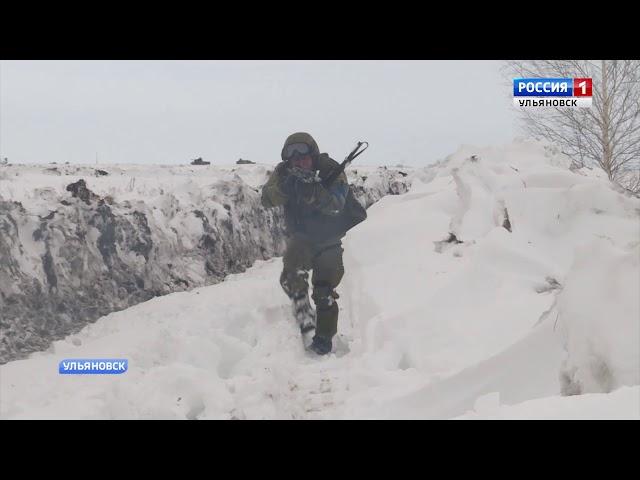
(321, 345)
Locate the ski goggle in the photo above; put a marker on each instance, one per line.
(296, 149)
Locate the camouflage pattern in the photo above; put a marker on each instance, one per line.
(318, 213)
(315, 228)
(328, 269)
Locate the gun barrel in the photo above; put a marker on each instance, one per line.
(335, 173)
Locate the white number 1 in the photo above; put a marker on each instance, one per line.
(583, 86)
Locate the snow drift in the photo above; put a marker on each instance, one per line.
(602, 335)
(502, 285)
(77, 242)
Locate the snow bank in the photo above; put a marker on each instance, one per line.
(443, 284)
(599, 313)
(78, 242)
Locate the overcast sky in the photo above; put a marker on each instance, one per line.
(168, 112)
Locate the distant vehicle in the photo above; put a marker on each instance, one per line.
(199, 161)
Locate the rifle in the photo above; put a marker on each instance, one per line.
(335, 173)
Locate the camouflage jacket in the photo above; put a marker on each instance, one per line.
(316, 215)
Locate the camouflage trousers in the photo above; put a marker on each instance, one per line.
(303, 255)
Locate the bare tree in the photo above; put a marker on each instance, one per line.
(608, 133)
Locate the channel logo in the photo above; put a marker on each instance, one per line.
(552, 92)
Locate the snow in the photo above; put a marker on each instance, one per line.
(132, 182)
(614, 406)
(602, 335)
(501, 325)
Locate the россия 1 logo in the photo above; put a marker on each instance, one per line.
(552, 92)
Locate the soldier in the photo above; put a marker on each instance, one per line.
(316, 218)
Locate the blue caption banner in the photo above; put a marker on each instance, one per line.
(93, 366)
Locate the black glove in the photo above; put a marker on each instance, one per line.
(299, 183)
(288, 185)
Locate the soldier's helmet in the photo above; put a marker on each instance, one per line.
(299, 143)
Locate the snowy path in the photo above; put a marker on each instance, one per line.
(190, 353)
(434, 330)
